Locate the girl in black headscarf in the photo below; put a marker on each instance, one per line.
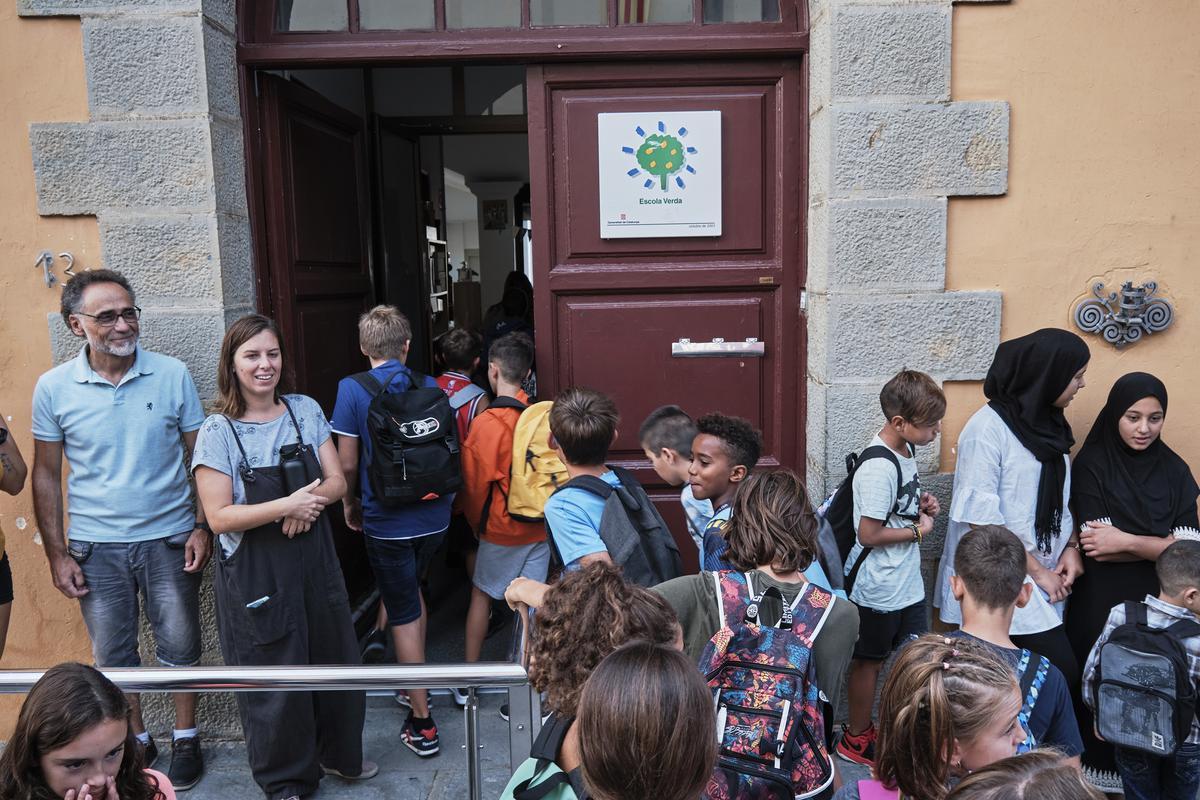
(1130, 493)
(1012, 470)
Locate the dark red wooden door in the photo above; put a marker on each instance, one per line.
(318, 265)
(609, 310)
(317, 209)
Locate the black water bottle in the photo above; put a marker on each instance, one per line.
(291, 464)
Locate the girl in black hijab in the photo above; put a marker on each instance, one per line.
(1130, 493)
(1023, 386)
(1013, 470)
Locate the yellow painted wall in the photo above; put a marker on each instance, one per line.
(41, 80)
(1104, 183)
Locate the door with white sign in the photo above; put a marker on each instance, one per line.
(707, 317)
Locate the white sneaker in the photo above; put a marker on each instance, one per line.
(460, 697)
(401, 698)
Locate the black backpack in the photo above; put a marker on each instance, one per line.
(633, 532)
(414, 441)
(548, 778)
(1145, 699)
(838, 510)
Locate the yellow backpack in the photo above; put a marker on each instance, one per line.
(536, 469)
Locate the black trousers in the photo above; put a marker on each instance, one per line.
(305, 619)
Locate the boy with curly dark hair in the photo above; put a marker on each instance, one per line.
(724, 452)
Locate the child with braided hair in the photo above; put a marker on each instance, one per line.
(949, 707)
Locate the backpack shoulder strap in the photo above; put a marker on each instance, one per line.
(368, 382)
(820, 602)
(1184, 629)
(465, 395)
(550, 739)
(879, 451)
(504, 401)
(544, 751)
(731, 582)
(627, 479)
(1031, 669)
(1135, 612)
(416, 380)
(589, 483)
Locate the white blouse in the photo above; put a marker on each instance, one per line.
(996, 483)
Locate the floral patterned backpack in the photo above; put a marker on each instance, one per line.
(770, 731)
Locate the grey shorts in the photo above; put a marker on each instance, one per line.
(497, 565)
(118, 575)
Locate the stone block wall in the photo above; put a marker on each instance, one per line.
(160, 164)
(887, 148)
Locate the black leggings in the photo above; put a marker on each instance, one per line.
(1053, 644)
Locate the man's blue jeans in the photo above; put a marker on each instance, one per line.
(1148, 777)
(117, 574)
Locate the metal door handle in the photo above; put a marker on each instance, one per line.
(750, 347)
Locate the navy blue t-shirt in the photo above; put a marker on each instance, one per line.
(1052, 722)
(350, 419)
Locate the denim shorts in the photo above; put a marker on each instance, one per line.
(398, 565)
(116, 574)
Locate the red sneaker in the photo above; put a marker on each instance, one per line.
(858, 748)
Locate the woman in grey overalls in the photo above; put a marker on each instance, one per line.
(265, 469)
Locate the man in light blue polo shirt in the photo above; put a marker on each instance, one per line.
(122, 416)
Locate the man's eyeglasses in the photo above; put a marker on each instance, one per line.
(106, 319)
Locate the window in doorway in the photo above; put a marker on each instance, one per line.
(396, 15)
(372, 16)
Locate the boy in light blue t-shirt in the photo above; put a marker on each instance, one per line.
(583, 425)
(891, 517)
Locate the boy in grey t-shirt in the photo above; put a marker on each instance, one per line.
(891, 517)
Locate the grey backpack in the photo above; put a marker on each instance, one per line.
(1145, 698)
(633, 532)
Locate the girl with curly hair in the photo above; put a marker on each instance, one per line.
(582, 618)
(73, 742)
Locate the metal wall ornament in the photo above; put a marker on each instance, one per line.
(1122, 318)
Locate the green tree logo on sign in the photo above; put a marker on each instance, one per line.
(663, 156)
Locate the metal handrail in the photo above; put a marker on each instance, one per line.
(293, 679)
(318, 678)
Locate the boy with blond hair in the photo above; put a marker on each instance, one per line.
(400, 540)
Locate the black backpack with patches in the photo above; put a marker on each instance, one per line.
(414, 441)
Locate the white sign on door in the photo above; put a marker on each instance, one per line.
(660, 174)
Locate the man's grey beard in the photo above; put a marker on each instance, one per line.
(120, 350)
